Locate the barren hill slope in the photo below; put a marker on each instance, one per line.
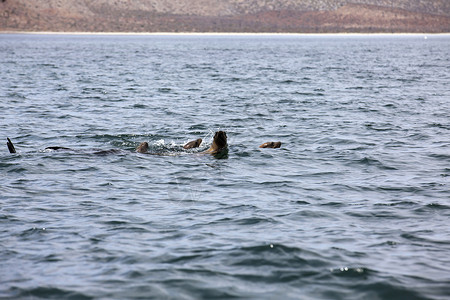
(226, 15)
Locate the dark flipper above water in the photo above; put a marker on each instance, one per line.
(10, 146)
(193, 144)
(271, 145)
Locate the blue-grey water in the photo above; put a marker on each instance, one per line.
(354, 205)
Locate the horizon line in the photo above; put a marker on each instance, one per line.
(220, 33)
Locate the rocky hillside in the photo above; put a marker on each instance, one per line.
(225, 15)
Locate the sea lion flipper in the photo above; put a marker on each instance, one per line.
(10, 146)
(271, 145)
(193, 144)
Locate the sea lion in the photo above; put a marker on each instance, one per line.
(142, 148)
(219, 143)
(193, 144)
(55, 148)
(10, 146)
(271, 145)
(13, 150)
(96, 151)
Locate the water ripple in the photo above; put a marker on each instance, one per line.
(354, 205)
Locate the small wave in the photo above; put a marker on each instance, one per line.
(334, 69)
(133, 274)
(388, 288)
(352, 272)
(289, 81)
(165, 90)
(309, 93)
(432, 207)
(437, 206)
(52, 66)
(379, 127)
(407, 189)
(386, 243)
(277, 255)
(253, 221)
(16, 170)
(198, 128)
(439, 125)
(16, 95)
(399, 203)
(422, 241)
(88, 90)
(440, 156)
(378, 215)
(374, 162)
(141, 106)
(49, 292)
(419, 136)
(334, 204)
(314, 214)
(32, 232)
(115, 223)
(8, 218)
(181, 259)
(390, 105)
(50, 258)
(302, 202)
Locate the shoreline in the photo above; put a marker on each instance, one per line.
(220, 33)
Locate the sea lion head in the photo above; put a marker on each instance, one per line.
(219, 141)
(193, 144)
(142, 148)
(271, 145)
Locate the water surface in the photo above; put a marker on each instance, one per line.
(354, 205)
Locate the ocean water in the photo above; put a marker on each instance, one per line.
(354, 205)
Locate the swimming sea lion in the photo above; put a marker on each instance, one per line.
(10, 146)
(219, 143)
(193, 144)
(142, 148)
(271, 145)
(99, 152)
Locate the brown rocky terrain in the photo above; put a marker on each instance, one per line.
(307, 16)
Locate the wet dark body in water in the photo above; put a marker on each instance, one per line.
(219, 145)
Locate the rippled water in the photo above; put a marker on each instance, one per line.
(354, 205)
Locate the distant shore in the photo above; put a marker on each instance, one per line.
(220, 33)
(175, 17)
